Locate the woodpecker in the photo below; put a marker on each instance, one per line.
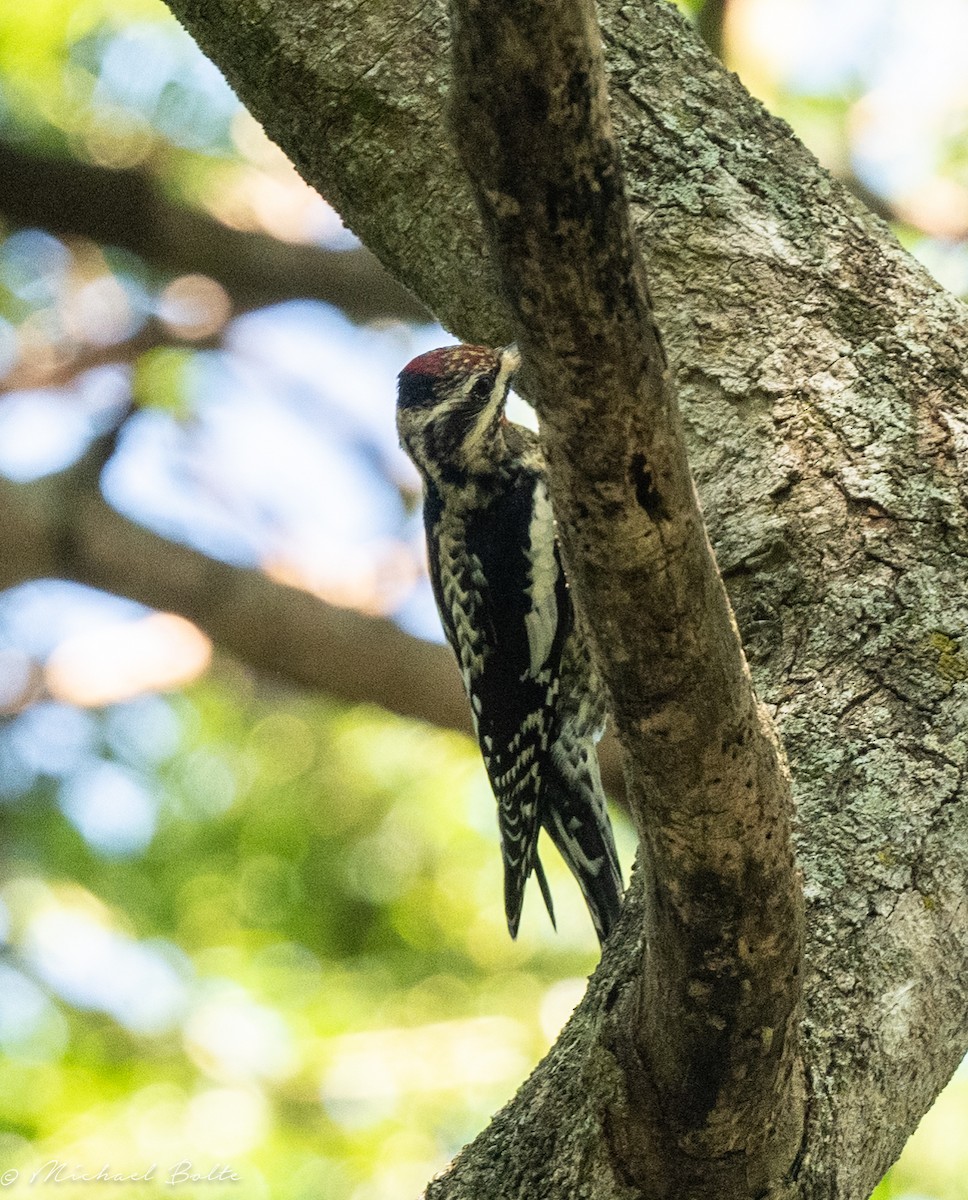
(536, 701)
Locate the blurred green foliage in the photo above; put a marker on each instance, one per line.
(69, 86)
(318, 911)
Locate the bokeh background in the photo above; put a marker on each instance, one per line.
(244, 924)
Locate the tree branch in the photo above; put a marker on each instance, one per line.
(62, 527)
(125, 208)
(717, 1027)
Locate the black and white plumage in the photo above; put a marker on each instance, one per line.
(496, 570)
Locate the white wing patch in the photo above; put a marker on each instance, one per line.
(542, 621)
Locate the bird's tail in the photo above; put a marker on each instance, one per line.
(514, 882)
(576, 818)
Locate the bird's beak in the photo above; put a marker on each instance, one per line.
(511, 359)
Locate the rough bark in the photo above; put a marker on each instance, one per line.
(713, 1030)
(824, 396)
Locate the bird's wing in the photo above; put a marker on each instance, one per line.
(576, 818)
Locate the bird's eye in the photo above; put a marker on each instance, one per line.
(481, 389)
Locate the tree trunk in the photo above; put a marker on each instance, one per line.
(823, 393)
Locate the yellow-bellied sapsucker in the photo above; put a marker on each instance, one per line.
(496, 570)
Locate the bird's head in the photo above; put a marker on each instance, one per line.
(450, 406)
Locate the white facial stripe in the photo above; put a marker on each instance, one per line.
(457, 400)
(510, 361)
(483, 420)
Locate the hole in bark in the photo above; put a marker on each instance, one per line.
(612, 996)
(646, 494)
